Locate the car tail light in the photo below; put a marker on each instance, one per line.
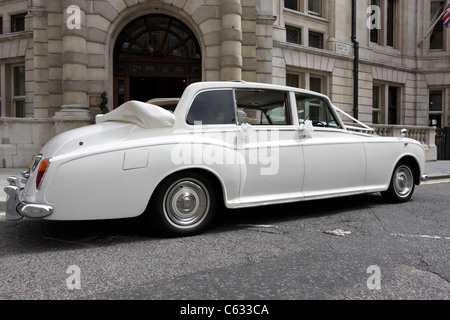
(43, 166)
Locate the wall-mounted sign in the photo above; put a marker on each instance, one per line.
(342, 48)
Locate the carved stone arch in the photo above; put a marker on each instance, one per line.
(136, 13)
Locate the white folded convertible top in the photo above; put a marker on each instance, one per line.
(140, 113)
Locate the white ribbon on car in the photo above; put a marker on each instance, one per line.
(244, 132)
(307, 129)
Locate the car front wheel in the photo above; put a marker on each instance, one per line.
(184, 204)
(402, 184)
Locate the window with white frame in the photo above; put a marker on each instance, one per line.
(18, 91)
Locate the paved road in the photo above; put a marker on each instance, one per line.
(334, 249)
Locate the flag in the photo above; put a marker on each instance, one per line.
(446, 16)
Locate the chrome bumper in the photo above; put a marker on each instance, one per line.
(17, 209)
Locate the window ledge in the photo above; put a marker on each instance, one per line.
(15, 35)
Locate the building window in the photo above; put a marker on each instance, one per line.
(376, 110)
(437, 36)
(385, 30)
(291, 4)
(293, 35)
(315, 7)
(393, 104)
(315, 39)
(18, 99)
(1, 25)
(435, 108)
(292, 80)
(309, 81)
(390, 17)
(315, 84)
(18, 22)
(386, 106)
(375, 31)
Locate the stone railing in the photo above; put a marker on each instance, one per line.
(425, 135)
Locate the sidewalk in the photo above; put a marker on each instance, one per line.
(435, 170)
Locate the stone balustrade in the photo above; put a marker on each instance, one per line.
(425, 135)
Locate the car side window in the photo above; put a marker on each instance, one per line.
(262, 107)
(212, 107)
(315, 109)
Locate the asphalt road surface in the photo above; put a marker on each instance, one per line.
(356, 248)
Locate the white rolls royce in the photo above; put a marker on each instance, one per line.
(232, 144)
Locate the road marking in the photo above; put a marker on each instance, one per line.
(419, 236)
(337, 232)
(436, 181)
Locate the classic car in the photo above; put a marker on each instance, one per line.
(234, 144)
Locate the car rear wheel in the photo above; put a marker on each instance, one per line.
(402, 183)
(184, 204)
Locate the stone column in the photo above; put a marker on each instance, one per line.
(37, 66)
(231, 40)
(264, 34)
(75, 109)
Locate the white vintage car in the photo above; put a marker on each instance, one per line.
(234, 143)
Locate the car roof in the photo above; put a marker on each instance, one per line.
(249, 85)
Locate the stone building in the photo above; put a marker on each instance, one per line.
(57, 57)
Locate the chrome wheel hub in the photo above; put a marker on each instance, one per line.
(186, 203)
(403, 182)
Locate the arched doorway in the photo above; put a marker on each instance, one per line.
(155, 56)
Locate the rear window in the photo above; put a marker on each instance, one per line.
(212, 107)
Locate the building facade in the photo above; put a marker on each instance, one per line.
(374, 58)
